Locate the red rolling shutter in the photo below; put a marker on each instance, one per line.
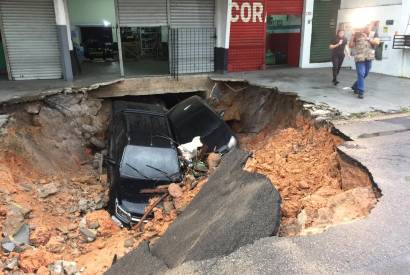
(290, 7)
(247, 39)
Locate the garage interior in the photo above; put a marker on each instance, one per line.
(283, 40)
(94, 38)
(145, 50)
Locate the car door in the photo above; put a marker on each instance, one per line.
(193, 117)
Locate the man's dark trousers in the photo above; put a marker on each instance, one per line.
(337, 61)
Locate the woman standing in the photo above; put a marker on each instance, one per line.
(338, 46)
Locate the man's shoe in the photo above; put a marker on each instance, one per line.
(336, 82)
(354, 90)
(360, 96)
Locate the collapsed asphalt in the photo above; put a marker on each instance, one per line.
(233, 209)
(378, 244)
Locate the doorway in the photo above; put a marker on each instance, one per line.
(283, 40)
(94, 38)
(324, 25)
(145, 50)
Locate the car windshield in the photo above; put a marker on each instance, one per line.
(150, 163)
(148, 130)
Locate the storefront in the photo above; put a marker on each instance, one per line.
(51, 39)
(161, 37)
(264, 32)
(283, 34)
(30, 36)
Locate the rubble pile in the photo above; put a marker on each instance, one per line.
(53, 195)
(319, 188)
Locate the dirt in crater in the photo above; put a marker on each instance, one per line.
(319, 187)
(49, 179)
(55, 145)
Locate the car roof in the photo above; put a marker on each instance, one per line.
(130, 106)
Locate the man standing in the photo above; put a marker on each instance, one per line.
(363, 43)
(338, 46)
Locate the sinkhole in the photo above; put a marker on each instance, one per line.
(52, 178)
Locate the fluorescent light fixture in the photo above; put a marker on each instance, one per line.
(106, 23)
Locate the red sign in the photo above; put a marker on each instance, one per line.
(247, 12)
(248, 32)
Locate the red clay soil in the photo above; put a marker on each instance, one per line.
(318, 187)
(55, 221)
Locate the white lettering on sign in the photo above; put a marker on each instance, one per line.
(235, 17)
(247, 12)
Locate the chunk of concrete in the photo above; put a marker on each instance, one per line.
(234, 208)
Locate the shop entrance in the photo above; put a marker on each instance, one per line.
(145, 50)
(283, 40)
(94, 38)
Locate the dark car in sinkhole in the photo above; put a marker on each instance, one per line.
(142, 149)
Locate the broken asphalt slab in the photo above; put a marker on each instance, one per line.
(233, 209)
(15, 92)
(378, 244)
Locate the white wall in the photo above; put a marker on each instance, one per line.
(405, 11)
(394, 61)
(223, 22)
(351, 4)
(91, 13)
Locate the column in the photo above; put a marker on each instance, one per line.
(64, 37)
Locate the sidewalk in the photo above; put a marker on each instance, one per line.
(384, 93)
(28, 90)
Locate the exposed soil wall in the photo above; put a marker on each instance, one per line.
(319, 187)
(50, 164)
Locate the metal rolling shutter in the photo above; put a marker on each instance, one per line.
(193, 23)
(142, 13)
(192, 13)
(324, 26)
(30, 33)
(291, 7)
